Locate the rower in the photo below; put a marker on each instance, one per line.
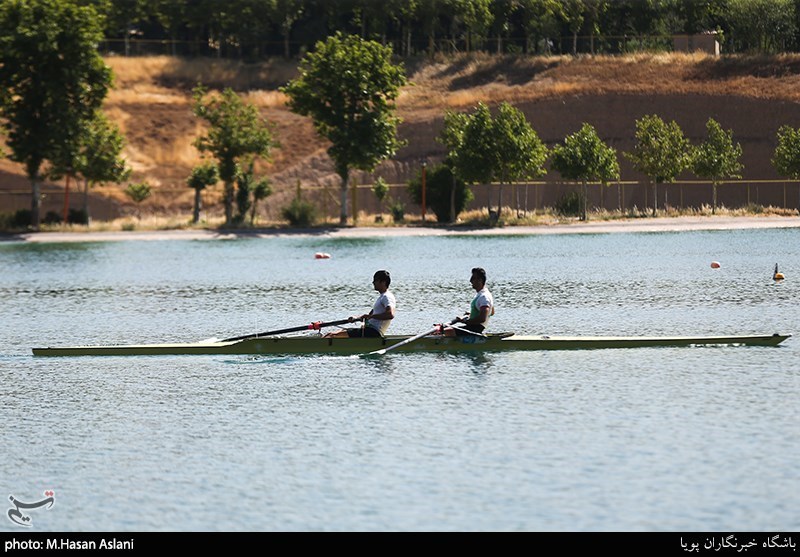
(376, 322)
(480, 310)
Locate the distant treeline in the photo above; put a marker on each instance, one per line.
(253, 29)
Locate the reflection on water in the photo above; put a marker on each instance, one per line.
(577, 440)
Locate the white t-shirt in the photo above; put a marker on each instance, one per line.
(483, 298)
(384, 302)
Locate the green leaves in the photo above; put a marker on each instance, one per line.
(585, 157)
(52, 81)
(662, 151)
(483, 148)
(786, 159)
(717, 157)
(348, 86)
(236, 131)
(202, 176)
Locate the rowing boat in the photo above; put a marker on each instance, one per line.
(432, 343)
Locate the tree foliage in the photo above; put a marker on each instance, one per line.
(202, 176)
(583, 156)
(52, 82)
(482, 148)
(786, 159)
(236, 132)
(717, 157)
(348, 87)
(661, 152)
(440, 185)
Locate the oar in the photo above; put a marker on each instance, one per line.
(467, 331)
(316, 326)
(383, 351)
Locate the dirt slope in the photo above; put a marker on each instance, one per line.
(152, 104)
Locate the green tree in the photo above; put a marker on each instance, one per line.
(138, 193)
(661, 152)
(573, 12)
(483, 149)
(717, 158)
(348, 86)
(761, 25)
(442, 189)
(585, 157)
(786, 159)
(539, 19)
(202, 176)
(476, 16)
(250, 190)
(381, 189)
(236, 131)
(261, 190)
(285, 14)
(101, 159)
(520, 154)
(52, 81)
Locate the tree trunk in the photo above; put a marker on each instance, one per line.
(228, 203)
(584, 201)
(714, 199)
(86, 201)
(499, 200)
(343, 211)
(66, 198)
(574, 43)
(198, 200)
(36, 202)
(453, 200)
(655, 197)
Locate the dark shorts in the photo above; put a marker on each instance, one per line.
(366, 332)
(473, 328)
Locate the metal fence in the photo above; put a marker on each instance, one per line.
(523, 196)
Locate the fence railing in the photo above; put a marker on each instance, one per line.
(523, 196)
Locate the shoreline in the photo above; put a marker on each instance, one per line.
(658, 224)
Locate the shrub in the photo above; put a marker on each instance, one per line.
(438, 186)
(300, 213)
(51, 218)
(21, 219)
(569, 204)
(398, 211)
(77, 216)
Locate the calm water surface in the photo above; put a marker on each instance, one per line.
(638, 439)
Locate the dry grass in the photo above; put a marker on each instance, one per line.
(151, 101)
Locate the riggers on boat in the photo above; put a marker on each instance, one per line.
(289, 345)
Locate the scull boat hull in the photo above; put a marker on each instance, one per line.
(434, 343)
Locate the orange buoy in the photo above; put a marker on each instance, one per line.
(321, 255)
(714, 265)
(777, 275)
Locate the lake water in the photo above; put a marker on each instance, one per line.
(652, 439)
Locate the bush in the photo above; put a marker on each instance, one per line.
(438, 186)
(77, 216)
(569, 204)
(51, 218)
(21, 219)
(398, 211)
(300, 213)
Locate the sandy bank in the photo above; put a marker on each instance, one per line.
(676, 224)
